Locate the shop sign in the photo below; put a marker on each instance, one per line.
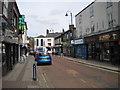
(108, 37)
(64, 43)
(72, 41)
(79, 41)
(118, 42)
(58, 45)
(91, 39)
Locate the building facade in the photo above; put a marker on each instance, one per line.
(9, 35)
(99, 25)
(67, 37)
(58, 45)
(43, 43)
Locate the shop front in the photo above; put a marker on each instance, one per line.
(92, 47)
(80, 48)
(110, 47)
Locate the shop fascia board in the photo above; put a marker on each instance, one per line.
(103, 31)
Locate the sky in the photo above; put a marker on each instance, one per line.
(49, 14)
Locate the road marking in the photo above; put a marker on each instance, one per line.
(44, 78)
(73, 72)
(102, 69)
(93, 86)
(83, 80)
(44, 75)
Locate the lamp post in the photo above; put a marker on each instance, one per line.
(70, 16)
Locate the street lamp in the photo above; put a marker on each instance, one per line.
(70, 16)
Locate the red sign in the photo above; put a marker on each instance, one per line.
(118, 42)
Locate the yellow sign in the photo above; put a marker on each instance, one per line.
(64, 43)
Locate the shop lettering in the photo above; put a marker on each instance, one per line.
(90, 40)
(108, 37)
(80, 41)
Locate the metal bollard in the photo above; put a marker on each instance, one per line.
(34, 72)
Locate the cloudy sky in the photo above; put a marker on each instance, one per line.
(49, 14)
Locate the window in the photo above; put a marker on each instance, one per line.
(48, 40)
(49, 44)
(37, 42)
(91, 11)
(110, 21)
(92, 27)
(97, 26)
(5, 8)
(87, 30)
(67, 36)
(14, 21)
(71, 34)
(103, 24)
(41, 42)
(109, 3)
(80, 19)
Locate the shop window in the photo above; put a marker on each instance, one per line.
(106, 51)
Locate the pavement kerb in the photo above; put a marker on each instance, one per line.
(87, 63)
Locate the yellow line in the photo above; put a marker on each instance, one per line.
(93, 86)
(43, 75)
(101, 69)
(83, 80)
(44, 78)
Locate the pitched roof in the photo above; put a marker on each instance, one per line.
(53, 34)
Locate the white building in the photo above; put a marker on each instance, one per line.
(97, 17)
(98, 25)
(44, 43)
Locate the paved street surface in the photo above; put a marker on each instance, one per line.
(21, 76)
(64, 73)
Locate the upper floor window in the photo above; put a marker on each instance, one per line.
(92, 27)
(110, 20)
(91, 11)
(87, 30)
(5, 8)
(49, 40)
(67, 36)
(109, 3)
(37, 42)
(80, 19)
(14, 21)
(71, 34)
(41, 42)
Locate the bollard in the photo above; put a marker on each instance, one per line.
(34, 72)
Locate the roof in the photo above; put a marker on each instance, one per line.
(85, 8)
(53, 34)
(41, 36)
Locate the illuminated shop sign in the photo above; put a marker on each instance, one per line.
(108, 37)
(79, 41)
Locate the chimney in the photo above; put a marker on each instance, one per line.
(47, 31)
(71, 27)
(63, 30)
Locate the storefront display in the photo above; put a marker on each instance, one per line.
(80, 48)
(109, 47)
